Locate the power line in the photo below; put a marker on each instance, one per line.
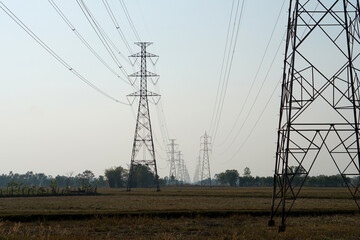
(53, 54)
(162, 113)
(116, 24)
(222, 67)
(256, 75)
(161, 126)
(105, 40)
(82, 39)
(228, 66)
(256, 122)
(130, 20)
(261, 87)
(223, 80)
(256, 97)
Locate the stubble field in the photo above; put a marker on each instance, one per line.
(179, 213)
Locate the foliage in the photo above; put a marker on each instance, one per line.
(247, 172)
(314, 181)
(116, 177)
(86, 178)
(229, 177)
(16, 181)
(142, 177)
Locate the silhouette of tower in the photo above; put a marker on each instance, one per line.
(205, 167)
(319, 109)
(197, 176)
(186, 173)
(180, 170)
(172, 174)
(143, 152)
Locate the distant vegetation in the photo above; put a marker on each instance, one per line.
(41, 180)
(117, 177)
(32, 183)
(38, 184)
(233, 178)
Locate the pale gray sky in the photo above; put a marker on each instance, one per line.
(52, 122)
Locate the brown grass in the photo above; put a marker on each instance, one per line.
(210, 224)
(174, 199)
(236, 227)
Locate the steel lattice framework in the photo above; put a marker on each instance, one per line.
(197, 176)
(143, 138)
(319, 110)
(172, 174)
(180, 169)
(205, 167)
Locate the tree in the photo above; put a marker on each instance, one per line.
(116, 177)
(100, 182)
(247, 172)
(229, 177)
(61, 181)
(142, 177)
(86, 178)
(172, 180)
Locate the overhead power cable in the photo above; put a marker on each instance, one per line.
(105, 40)
(162, 114)
(256, 122)
(122, 3)
(117, 26)
(159, 144)
(259, 91)
(256, 97)
(53, 54)
(228, 67)
(222, 67)
(82, 39)
(256, 75)
(223, 74)
(162, 125)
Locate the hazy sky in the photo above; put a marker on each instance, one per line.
(52, 122)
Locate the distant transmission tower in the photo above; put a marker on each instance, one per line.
(180, 170)
(319, 110)
(172, 174)
(197, 176)
(205, 167)
(143, 139)
(186, 174)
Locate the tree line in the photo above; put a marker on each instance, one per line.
(143, 177)
(30, 178)
(115, 177)
(233, 178)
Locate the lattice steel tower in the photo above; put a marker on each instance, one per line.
(197, 176)
(172, 174)
(319, 110)
(205, 167)
(143, 138)
(180, 170)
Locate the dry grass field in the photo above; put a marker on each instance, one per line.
(179, 213)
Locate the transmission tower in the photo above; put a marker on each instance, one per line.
(205, 167)
(180, 169)
(186, 174)
(197, 176)
(143, 138)
(172, 174)
(319, 110)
